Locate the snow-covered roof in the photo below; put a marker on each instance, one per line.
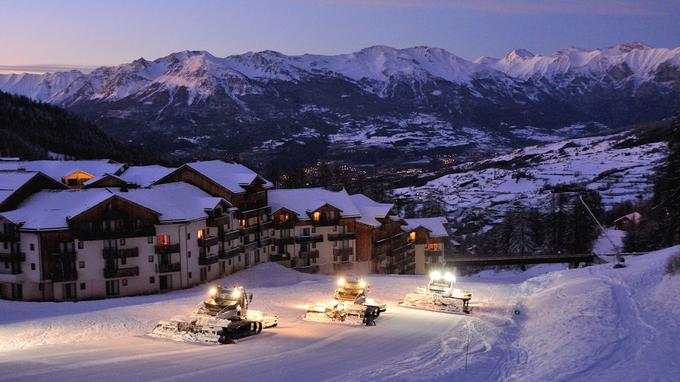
(100, 177)
(305, 200)
(57, 169)
(228, 175)
(10, 181)
(144, 176)
(434, 225)
(47, 210)
(633, 217)
(370, 210)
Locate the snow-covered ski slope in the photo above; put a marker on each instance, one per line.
(593, 323)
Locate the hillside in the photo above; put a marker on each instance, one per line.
(619, 166)
(33, 130)
(594, 323)
(368, 106)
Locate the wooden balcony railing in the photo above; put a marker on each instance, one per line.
(120, 252)
(284, 240)
(342, 236)
(229, 253)
(122, 232)
(309, 239)
(231, 235)
(110, 273)
(309, 254)
(207, 241)
(217, 221)
(169, 267)
(208, 259)
(167, 248)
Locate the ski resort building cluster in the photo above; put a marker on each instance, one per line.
(72, 230)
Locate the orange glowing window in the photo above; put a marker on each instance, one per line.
(412, 236)
(317, 216)
(243, 222)
(433, 246)
(163, 239)
(283, 218)
(201, 234)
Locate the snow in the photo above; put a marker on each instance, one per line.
(10, 181)
(303, 201)
(229, 175)
(370, 210)
(145, 175)
(52, 209)
(434, 225)
(592, 323)
(603, 244)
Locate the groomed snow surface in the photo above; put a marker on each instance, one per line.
(592, 323)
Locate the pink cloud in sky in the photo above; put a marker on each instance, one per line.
(598, 7)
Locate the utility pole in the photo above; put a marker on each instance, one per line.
(620, 263)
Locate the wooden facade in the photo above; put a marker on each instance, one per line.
(37, 183)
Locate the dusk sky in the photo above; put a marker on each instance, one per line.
(90, 32)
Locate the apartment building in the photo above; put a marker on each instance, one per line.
(315, 230)
(246, 191)
(104, 242)
(72, 173)
(429, 237)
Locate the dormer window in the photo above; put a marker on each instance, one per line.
(283, 218)
(412, 236)
(317, 216)
(201, 233)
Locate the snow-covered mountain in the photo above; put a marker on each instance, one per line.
(236, 103)
(619, 166)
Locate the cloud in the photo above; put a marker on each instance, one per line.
(596, 7)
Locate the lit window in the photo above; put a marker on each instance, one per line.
(201, 234)
(317, 216)
(412, 236)
(163, 239)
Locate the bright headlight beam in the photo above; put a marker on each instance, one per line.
(435, 275)
(212, 292)
(236, 293)
(341, 281)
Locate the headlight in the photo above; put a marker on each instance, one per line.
(341, 281)
(362, 284)
(449, 277)
(213, 292)
(436, 275)
(236, 293)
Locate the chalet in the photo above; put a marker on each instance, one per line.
(245, 190)
(429, 236)
(315, 230)
(93, 243)
(625, 222)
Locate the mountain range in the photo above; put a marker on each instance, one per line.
(414, 102)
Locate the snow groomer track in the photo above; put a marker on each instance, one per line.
(548, 323)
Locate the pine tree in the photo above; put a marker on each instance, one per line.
(521, 235)
(666, 199)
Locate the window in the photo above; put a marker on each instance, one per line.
(69, 291)
(112, 288)
(82, 286)
(81, 245)
(317, 216)
(313, 245)
(412, 236)
(124, 282)
(239, 258)
(200, 234)
(163, 239)
(32, 266)
(151, 259)
(123, 260)
(152, 280)
(209, 268)
(122, 241)
(189, 274)
(313, 229)
(189, 236)
(283, 218)
(149, 240)
(81, 264)
(17, 292)
(335, 228)
(188, 253)
(32, 247)
(229, 261)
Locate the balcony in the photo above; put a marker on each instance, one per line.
(12, 257)
(217, 221)
(207, 241)
(342, 236)
(284, 240)
(121, 272)
(231, 235)
(343, 252)
(208, 259)
(288, 224)
(169, 267)
(253, 210)
(229, 253)
(402, 249)
(279, 257)
(309, 239)
(14, 269)
(326, 222)
(61, 276)
(167, 248)
(388, 240)
(120, 252)
(433, 253)
(249, 246)
(313, 254)
(121, 232)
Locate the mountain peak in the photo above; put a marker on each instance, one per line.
(518, 54)
(630, 46)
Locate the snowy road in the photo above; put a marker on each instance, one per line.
(574, 325)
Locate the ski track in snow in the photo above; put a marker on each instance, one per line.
(575, 325)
